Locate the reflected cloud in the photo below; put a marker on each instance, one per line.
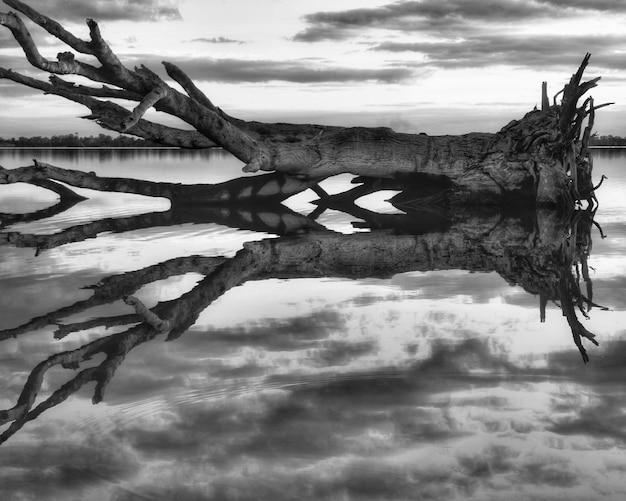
(58, 468)
(355, 399)
(319, 438)
(474, 244)
(293, 333)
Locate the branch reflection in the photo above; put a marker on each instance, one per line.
(544, 252)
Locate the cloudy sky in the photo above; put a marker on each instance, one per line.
(434, 66)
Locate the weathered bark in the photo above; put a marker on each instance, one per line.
(539, 160)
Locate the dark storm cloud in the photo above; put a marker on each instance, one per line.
(477, 33)
(217, 40)
(538, 51)
(330, 418)
(320, 415)
(285, 335)
(603, 419)
(255, 71)
(279, 335)
(615, 6)
(324, 417)
(266, 70)
(58, 469)
(107, 10)
(296, 71)
(606, 367)
(428, 16)
(603, 416)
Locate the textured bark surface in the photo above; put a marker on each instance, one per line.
(542, 159)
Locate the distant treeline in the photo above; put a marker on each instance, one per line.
(76, 141)
(106, 141)
(607, 141)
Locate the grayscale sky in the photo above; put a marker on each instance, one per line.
(434, 66)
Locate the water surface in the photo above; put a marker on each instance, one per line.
(424, 373)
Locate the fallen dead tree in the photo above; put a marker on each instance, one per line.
(541, 159)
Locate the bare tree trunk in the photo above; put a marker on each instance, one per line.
(539, 160)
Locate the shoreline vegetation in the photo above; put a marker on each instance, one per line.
(76, 141)
(122, 141)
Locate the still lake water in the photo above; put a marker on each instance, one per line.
(324, 375)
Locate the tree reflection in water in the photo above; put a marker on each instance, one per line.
(544, 252)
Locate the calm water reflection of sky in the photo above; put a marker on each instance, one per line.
(424, 385)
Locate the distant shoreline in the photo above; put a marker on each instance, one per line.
(126, 142)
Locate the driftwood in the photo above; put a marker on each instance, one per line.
(541, 159)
